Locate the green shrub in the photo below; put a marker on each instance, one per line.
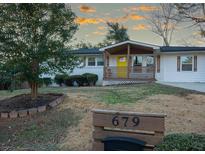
(182, 142)
(68, 81)
(60, 78)
(79, 79)
(91, 79)
(47, 81)
(87, 79)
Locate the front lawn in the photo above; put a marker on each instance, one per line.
(128, 93)
(110, 94)
(44, 131)
(69, 126)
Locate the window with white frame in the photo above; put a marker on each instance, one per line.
(91, 61)
(100, 61)
(186, 63)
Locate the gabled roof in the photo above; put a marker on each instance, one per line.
(162, 49)
(130, 42)
(180, 49)
(85, 51)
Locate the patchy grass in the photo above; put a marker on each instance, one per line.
(111, 94)
(43, 132)
(128, 93)
(47, 131)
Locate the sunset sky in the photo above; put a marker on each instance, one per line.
(92, 19)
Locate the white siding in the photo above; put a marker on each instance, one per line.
(90, 69)
(86, 69)
(168, 69)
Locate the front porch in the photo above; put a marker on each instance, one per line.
(129, 62)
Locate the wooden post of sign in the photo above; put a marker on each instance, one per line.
(149, 127)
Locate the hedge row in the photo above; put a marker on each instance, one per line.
(87, 79)
(182, 142)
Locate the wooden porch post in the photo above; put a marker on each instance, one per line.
(154, 69)
(104, 68)
(106, 64)
(128, 61)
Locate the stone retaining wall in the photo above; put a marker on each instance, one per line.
(31, 111)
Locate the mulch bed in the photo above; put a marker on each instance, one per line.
(24, 101)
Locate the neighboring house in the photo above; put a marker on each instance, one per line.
(134, 62)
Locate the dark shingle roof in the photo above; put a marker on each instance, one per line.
(94, 51)
(180, 49)
(86, 51)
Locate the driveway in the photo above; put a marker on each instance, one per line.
(192, 86)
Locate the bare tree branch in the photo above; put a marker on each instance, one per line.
(162, 22)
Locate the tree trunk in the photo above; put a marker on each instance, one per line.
(34, 83)
(34, 90)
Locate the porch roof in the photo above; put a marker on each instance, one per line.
(131, 42)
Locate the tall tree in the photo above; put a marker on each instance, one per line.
(194, 13)
(116, 33)
(83, 44)
(34, 38)
(162, 23)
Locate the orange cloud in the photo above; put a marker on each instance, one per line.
(135, 17)
(98, 33)
(85, 21)
(140, 27)
(145, 8)
(118, 19)
(87, 9)
(126, 18)
(101, 27)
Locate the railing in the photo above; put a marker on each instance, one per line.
(135, 72)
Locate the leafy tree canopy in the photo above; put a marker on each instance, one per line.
(116, 33)
(34, 39)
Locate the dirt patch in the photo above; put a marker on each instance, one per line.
(24, 101)
(184, 115)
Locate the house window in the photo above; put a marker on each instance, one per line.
(137, 61)
(150, 60)
(100, 61)
(81, 62)
(186, 62)
(91, 61)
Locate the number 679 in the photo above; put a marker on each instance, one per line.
(116, 121)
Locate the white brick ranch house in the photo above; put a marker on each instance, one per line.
(134, 62)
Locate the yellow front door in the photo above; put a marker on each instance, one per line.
(121, 66)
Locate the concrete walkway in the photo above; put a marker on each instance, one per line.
(192, 86)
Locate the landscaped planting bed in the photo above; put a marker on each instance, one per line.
(23, 105)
